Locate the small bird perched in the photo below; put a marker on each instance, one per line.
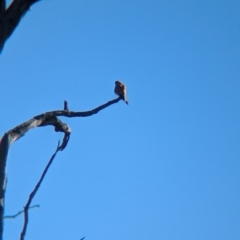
(120, 90)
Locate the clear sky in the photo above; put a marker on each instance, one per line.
(165, 167)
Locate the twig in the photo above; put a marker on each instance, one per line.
(31, 196)
(20, 212)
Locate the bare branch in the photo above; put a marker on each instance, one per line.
(4, 146)
(10, 18)
(89, 113)
(20, 212)
(2, 6)
(33, 193)
(50, 118)
(45, 119)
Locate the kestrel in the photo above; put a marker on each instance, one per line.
(120, 90)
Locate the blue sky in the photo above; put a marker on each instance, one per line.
(167, 166)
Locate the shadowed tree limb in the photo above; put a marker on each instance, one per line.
(4, 146)
(33, 193)
(2, 6)
(10, 17)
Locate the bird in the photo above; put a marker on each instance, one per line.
(120, 90)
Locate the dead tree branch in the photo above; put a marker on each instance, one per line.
(45, 119)
(10, 17)
(33, 193)
(4, 146)
(2, 6)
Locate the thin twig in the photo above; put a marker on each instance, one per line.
(20, 212)
(31, 196)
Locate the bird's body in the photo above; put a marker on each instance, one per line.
(121, 91)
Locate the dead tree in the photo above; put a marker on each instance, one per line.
(9, 19)
(45, 119)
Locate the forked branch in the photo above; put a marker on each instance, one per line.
(45, 119)
(20, 212)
